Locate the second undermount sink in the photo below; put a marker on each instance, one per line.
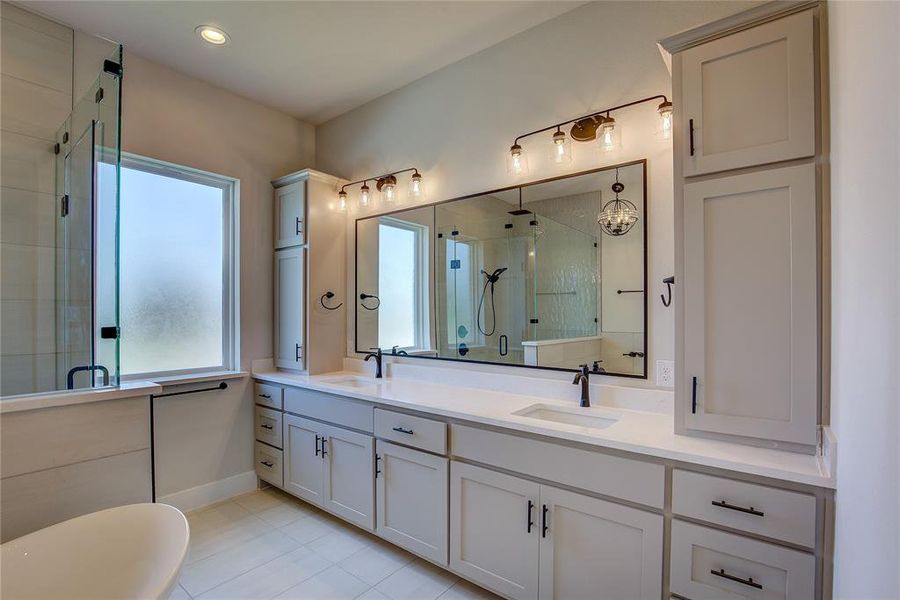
(351, 381)
(584, 417)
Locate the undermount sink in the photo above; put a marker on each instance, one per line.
(351, 381)
(583, 417)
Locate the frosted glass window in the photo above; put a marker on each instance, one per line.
(175, 267)
(397, 286)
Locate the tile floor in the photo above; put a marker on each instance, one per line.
(267, 544)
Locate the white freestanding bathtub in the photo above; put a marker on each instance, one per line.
(133, 551)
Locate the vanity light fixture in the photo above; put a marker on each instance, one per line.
(416, 186)
(386, 185)
(618, 216)
(517, 161)
(561, 149)
(212, 35)
(664, 132)
(600, 126)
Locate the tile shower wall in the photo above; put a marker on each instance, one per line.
(36, 71)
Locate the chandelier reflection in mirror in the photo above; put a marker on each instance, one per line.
(617, 216)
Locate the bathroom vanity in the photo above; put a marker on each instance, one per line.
(532, 497)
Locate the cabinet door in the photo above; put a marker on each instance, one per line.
(750, 328)
(349, 475)
(749, 98)
(596, 549)
(412, 496)
(495, 530)
(304, 467)
(290, 210)
(289, 308)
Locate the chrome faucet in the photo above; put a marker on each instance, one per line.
(582, 378)
(377, 356)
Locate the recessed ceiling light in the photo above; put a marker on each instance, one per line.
(212, 35)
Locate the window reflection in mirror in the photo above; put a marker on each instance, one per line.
(517, 276)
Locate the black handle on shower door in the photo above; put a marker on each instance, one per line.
(503, 348)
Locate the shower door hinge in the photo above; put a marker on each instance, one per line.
(455, 264)
(98, 97)
(534, 321)
(112, 67)
(64, 206)
(111, 332)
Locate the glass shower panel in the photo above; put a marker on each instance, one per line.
(87, 184)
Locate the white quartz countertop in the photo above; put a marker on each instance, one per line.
(637, 431)
(81, 396)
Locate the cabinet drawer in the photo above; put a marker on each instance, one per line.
(330, 408)
(268, 464)
(708, 565)
(774, 513)
(408, 430)
(268, 426)
(634, 480)
(267, 394)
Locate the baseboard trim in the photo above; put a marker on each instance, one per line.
(212, 492)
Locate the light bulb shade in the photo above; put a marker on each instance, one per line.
(365, 196)
(342, 201)
(560, 149)
(617, 217)
(516, 160)
(416, 187)
(664, 128)
(608, 135)
(389, 192)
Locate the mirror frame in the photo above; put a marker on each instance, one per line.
(641, 161)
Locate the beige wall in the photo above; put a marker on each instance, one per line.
(172, 117)
(865, 317)
(456, 124)
(36, 87)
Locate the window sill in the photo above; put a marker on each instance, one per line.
(198, 377)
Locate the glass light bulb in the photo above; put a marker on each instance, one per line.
(560, 149)
(516, 160)
(416, 187)
(341, 202)
(664, 129)
(388, 192)
(364, 196)
(608, 136)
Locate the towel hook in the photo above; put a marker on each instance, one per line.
(667, 298)
(328, 296)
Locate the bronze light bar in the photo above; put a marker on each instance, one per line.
(585, 128)
(386, 184)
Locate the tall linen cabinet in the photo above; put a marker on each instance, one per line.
(749, 194)
(310, 258)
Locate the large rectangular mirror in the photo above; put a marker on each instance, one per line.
(550, 274)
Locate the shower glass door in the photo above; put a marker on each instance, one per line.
(87, 189)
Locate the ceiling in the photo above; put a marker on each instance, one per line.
(314, 60)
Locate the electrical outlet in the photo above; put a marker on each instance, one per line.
(665, 373)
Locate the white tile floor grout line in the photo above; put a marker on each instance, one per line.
(297, 550)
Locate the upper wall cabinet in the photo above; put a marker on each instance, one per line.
(749, 98)
(290, 215)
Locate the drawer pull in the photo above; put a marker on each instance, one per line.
(324, 451)
(402, 430)
(317, 444)
(749, 581)
(530, 522)
(264, 426)
(544, 527)
(749, 511)
(266, 463)
(266, 396)
(377, 470)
